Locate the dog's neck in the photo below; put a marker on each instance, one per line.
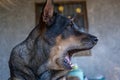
(44, 73)
(47, 74)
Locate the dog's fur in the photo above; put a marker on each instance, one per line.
(41, 56)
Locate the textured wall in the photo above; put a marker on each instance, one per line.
(16, 21)
(18, 18)
(104, 22)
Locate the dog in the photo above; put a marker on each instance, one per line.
(46, 53)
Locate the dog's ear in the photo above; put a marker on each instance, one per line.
(48, 11)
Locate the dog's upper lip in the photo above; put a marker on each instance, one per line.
(72, 50)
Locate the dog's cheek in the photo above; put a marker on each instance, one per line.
(54, 65)
(53, 62)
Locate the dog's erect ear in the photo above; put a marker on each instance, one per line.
(48, 11)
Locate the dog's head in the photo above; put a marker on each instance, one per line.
(64, 38)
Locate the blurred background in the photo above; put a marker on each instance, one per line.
(98, 17)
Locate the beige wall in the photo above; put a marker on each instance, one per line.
(17, 19)
(104, 22)
(39, 1)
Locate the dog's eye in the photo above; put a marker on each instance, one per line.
(71, 24)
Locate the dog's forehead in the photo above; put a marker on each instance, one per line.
(60, 22)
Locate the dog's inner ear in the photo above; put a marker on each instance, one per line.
(48, 11)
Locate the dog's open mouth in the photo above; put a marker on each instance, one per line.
(68, 55)
(67, 59)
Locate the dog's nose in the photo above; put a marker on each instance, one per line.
(94, 39)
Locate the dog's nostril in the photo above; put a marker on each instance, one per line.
(94, 38)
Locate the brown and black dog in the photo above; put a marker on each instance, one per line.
(46, 52)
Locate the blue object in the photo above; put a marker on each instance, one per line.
(76, 72)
